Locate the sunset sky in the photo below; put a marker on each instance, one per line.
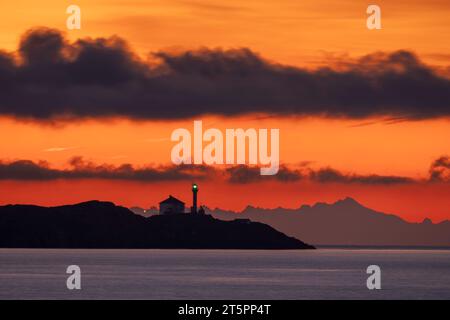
(362, 113)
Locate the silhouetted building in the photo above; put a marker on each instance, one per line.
(174, 206)
(171, 206)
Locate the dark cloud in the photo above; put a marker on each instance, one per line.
(79, 168)
(325, 175)
(440, 169)
(245, 174)
(53, 78)
(27, 170)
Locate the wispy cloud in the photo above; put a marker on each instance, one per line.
(156, 139)
(59, 149)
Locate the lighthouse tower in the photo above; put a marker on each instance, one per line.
(194, 198)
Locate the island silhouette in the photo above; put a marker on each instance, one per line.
(96, 224)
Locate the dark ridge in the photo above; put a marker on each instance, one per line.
(96, 224)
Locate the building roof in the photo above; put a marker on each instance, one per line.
(172, 200)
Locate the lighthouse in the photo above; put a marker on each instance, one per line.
(194, 197)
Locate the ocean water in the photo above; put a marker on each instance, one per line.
(224, 274)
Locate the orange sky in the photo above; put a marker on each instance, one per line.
(361, 146)
(293, 32)
(411, 202)
(307, 33)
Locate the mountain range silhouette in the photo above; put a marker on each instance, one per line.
(346, 222)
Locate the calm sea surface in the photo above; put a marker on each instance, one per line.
(224, 274)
